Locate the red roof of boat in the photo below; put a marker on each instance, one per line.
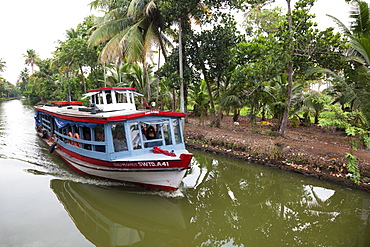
(109, 88)
(99, 118)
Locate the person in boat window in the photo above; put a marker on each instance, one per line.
(135, 135)
(99, 134)
(99, 137)
(143, 128)
(151, 133)
(119, 141)
(119, 137)
(109, 98)
(86, 136)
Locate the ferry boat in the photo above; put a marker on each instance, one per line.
(110, 138)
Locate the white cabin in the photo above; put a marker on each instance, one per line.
(113, 98)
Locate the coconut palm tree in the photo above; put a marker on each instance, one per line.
(23, 80)
(198, 97)
(129, 29)
(353, 88)
(2, 65)
(30, 58)
(358, 33)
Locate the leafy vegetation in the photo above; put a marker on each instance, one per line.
(353, 168)
(194, 53)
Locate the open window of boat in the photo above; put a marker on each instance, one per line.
(144, 134)
(113, 98)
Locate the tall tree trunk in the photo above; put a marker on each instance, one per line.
(284, 120)
(181, 71)
(69, 88)
(162, 48)
(212, 110)
(218, 118)
(83, 79)
(236, 114)
(146, 75)
(174, 99)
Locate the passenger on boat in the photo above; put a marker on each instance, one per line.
(151, 133)
(109, 98)
(100, 136)
(119, 141)
(86, 136)
(135, 135)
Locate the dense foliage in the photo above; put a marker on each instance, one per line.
(268, 65)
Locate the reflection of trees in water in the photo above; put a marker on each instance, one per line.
(251, 206)
(232, 204)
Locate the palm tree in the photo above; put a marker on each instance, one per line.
(2, 65)
(30, 58)
(355, 85)
(198, 97)
(289, 70)
(358, 33)
(23, 80)
(130, 29)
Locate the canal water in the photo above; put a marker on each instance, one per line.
(223, 202)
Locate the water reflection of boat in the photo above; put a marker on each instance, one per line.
(110, 138)
(112, 217)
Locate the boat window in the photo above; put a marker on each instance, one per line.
(119, 137)
(99, 134)
(77, 136)
(45, 121)
(154, 135)
(100, 98)
(94, 99)
(99, 137)
(177, 131)
(121, 97)
(86, 135)
(167, 134)
(136, 132)
(108, 97)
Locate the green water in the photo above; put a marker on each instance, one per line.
(223, 202)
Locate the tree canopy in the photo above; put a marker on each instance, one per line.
(196, 51)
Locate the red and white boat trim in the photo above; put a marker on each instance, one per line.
(141, 147)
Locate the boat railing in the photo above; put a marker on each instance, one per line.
(97, 146)
(153, 142)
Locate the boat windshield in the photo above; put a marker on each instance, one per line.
(147, 134)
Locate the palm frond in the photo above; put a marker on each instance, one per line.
(108, 30)
(328, 72)
(150, 8)
(343, 28)
(361, 44)
(150, 39)
(232, 100)
(132, 43)
(113, 49)
(361, 17)
(135, 8)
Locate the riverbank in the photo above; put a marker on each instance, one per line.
(312, 151)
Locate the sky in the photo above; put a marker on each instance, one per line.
(39, 24)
